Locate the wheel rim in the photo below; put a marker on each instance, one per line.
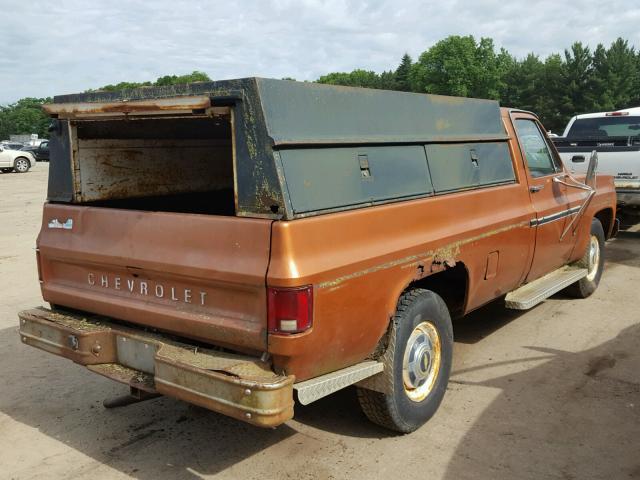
(421, 364)
(594, 257)
(22, 165)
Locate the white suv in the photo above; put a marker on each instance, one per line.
(15, 160)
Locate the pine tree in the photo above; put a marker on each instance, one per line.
(402, 73)
(577, 78)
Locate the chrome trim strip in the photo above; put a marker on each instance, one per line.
(535, 222)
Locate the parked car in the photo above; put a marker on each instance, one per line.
(616, 138)
(256, 240)
(15, 160)
(40, 152)
(12, 145)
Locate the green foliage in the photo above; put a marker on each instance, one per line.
(120, 86)
(556, 88)
(614, 75)
(459, 66)
(402, 73)
(357, 78)
(24, 117)
(194, 76)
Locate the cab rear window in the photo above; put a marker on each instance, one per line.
(605, 127)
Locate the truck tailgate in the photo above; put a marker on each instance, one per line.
(198, 276)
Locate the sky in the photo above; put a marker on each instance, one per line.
(68, 46)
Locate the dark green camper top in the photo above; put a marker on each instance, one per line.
(293, 139)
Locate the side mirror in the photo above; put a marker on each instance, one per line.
(591, 169)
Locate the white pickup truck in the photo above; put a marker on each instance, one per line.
(616, 138)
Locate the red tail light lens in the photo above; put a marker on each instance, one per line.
(290, 310)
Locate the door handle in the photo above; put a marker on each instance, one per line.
(535, 188)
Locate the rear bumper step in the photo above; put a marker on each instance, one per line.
(239, 386)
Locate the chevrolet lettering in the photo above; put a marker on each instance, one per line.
(147, 288)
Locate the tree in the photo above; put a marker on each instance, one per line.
(522, 82)
(459, 66)
(23, 118)
(577, 79)
(195, 76)
(121, 86)
(556, 87)
(402, 73)
(635, 97)
(388, 81)
(26, 115)
(548, 98)
(615, 72)
(356, 78)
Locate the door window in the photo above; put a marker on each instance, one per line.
(535, 148)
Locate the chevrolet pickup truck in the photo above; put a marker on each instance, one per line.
(616, 138)
(246, 243)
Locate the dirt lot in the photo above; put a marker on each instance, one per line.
(550, 393)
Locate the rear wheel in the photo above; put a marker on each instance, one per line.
(21, 165)
(7, 170)
(417, 364)
(593, 261)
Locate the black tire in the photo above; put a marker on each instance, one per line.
(396, 410)
(7, 170)
(587, 285)
(21, 165)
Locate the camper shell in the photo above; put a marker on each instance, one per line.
(269, 148)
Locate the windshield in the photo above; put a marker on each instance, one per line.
(605, 127)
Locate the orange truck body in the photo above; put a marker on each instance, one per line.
(204, 279)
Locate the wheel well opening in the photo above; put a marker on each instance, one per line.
(606, 218)
(451, 284)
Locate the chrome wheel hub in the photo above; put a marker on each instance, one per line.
(594, 257)
(421, 362)
(22, 165)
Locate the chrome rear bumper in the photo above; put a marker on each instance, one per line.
(239, 386)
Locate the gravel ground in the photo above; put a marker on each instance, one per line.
(552, 393)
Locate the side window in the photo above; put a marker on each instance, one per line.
(535, 148)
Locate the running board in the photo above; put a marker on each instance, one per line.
(319, 387)
(531, 294)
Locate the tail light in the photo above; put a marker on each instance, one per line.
(290, 309)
